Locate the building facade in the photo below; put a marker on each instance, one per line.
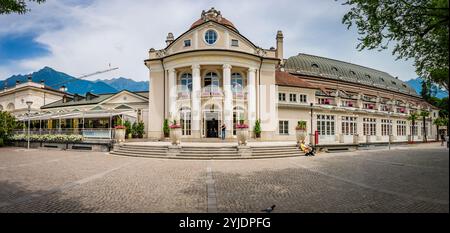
(213, 75)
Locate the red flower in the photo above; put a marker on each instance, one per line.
(120, 127)
(175, 126)
(241, 126)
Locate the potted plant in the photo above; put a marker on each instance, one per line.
(257, 129)
(175, 133)
(242, 134)
(128, 131)
(166, 128)
(300, 131)
(120, 133)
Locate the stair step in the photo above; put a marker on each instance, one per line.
(141, 149)
(141, 152)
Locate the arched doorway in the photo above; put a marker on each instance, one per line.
(212, 119)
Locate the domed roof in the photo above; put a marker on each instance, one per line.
(213, 15)
(333, 69)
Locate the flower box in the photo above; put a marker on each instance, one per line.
(242, 135)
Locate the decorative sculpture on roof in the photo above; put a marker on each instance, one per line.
(211, 14)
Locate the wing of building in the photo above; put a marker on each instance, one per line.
(212, 75)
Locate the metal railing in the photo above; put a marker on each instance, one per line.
(88, 133)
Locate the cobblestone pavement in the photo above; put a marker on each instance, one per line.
(404, 179)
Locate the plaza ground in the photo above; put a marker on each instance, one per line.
(404, 179)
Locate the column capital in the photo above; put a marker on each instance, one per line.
(226, 66)
(171, 70)
(251, 69)
(195, 66)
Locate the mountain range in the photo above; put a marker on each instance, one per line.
(56, 79)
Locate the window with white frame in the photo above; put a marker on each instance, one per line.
(234, 43)
(325, 125)
(401, 128)
(282, 97)
(186, 82)
(370, 126)
(368, 106)
(237, 83)
(325, 101)
(292, 97)
(302, 98)
(386, 127)
(185, 121)
(187, 43)
(349, 125)
(413, 129)
(283, 127)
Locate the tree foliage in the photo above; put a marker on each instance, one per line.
(15, 6)
(7, 124)
(418, 28)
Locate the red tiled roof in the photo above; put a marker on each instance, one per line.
(284, 78)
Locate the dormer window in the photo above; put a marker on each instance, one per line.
(235, 43)
(393, 83)
(187, 43)
(352, 72)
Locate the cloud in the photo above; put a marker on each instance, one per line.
(85, 36)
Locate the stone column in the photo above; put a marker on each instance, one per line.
(228, 100)
(196, 102)
(172, 94)
(251, 100)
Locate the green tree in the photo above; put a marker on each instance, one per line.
(128, 129)
(257, 128)
(440, 121)
(418, 29)
(7, 124)
(166, 128)
(424, 114)
(413, 118)
(16, 6)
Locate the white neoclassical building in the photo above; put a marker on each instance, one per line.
(212, 75)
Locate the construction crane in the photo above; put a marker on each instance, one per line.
(85, 76)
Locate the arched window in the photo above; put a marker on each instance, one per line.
(185, 120)
(10, 107)
(186, 82)
(315, 67)
(352, 72)
(211, 82)
(238, 117)
(334, 69)
(236, 83)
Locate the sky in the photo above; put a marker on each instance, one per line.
(84, 36)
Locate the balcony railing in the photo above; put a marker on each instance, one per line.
(211, 91)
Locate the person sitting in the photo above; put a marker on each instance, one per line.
(309, 151)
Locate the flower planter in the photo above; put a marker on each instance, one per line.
(175, 136)
(242, 136)
(120, 135)
(300, 135)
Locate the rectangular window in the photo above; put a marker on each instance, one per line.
(370, 126)
(368, 106)
(187, 43)
(349, 125)
(386, 127)
(302, 98)
(325, 125)
(235, 43)
(293, 97)
(282, 97)
(325, 101)
(401, 128)
(283, 127)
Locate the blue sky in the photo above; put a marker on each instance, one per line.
(84, 36)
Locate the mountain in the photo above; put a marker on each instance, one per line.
(126, 83)
(56, 79)
(416, 84)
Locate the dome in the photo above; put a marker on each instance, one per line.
(213, 15)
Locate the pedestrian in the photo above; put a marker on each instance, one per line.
(442, 138)
(223, 128)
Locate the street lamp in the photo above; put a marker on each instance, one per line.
(29, 103)
(311, 137)
(390, 129)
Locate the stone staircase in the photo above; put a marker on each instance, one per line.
(205, 152)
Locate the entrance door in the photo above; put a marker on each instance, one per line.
(212, 128)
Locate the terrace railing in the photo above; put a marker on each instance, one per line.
(88, 133)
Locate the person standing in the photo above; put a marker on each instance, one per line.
(223, 129)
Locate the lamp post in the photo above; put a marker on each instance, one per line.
(29, 103)
(390, 129)
(311, 134)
